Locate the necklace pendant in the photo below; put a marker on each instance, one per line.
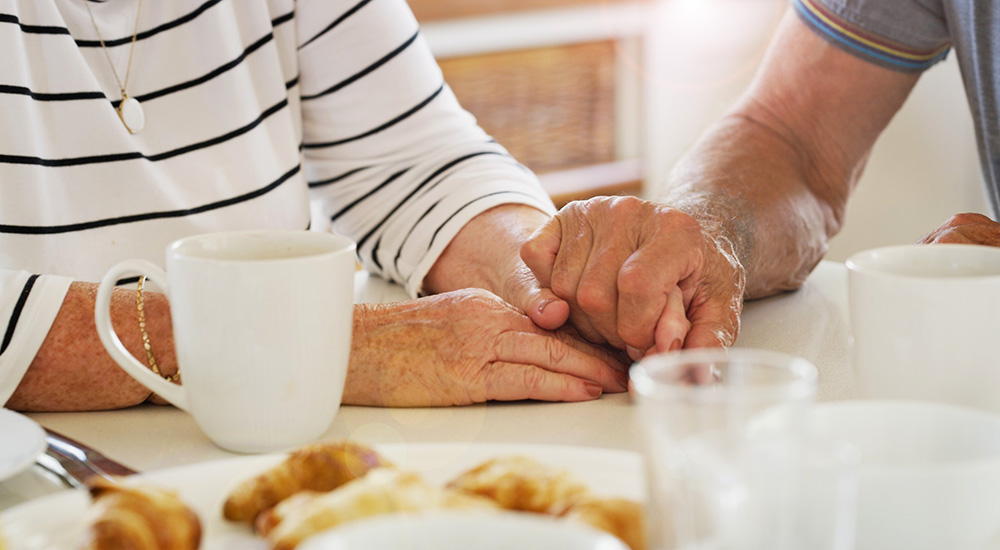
(131, 113)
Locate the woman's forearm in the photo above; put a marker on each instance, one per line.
(73, 372)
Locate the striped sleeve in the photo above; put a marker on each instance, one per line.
(904, 35)
(391, 158)
(28, 305)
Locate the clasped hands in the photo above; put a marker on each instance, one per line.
(640, 276)
(609, 274)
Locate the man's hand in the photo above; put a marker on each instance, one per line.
(966, 229)
(640, 276)
(469, 346)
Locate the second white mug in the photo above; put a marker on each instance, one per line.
(925, 324)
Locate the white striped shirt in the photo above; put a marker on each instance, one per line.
(259, 114)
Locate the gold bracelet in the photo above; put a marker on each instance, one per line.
(145, 337)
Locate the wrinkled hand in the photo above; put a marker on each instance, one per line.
(966, 229)
(638, 275)
(469, 346)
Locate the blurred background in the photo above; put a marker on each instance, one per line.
(603, 96)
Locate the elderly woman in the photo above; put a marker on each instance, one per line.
(126, 125)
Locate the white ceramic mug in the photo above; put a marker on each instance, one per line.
(926, 323)
(262, 329)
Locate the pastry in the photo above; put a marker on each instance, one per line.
(617, 516)
(319, 467)
(124, 517)
(382, 491)
(520, 483)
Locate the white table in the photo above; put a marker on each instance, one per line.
(811, 322)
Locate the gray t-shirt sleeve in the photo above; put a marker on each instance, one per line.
(904, 35)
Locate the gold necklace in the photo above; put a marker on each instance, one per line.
(129, 110)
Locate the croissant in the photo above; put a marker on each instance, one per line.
(520, 483)
(138, 518)
(382, 491)
(617, 516)
(319, 467)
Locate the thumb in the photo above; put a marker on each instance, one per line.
(541, 305)
(539, 252)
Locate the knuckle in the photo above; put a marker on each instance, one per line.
(677, 221)
(591, 204)
(630, 201)
(556, 351)
(683, 219)
(575, 212)
(531, 250)
(595, 299)
(960, 219)
(634, 278)
(501, 346)
(635, 335)
(563, 287)
(479, 298)
(681, 324)
(626, 204)
(532, 380)
(484, 387)
(968, 218)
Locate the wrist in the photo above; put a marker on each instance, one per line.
(486, 251)
(153, 326)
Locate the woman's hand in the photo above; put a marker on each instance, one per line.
(469, 346)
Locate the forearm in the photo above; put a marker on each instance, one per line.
(73, 372)
(747, 184)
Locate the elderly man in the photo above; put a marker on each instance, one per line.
(749, 210)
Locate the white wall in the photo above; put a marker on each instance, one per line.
(701, 54)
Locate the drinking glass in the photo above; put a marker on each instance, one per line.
(773, 492)
(714, 483)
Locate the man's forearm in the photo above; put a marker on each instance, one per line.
(775, 174)
(748, 185)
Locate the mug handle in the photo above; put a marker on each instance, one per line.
(172, 393)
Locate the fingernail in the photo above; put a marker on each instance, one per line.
(594, 390)
(543, 305)
(634, 353)
(676, 345)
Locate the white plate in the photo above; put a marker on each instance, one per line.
(21, 441)
(462, 531)
(55, 522)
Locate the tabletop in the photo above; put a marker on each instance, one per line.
(810, 322)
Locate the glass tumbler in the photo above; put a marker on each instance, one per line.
(713, 483)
